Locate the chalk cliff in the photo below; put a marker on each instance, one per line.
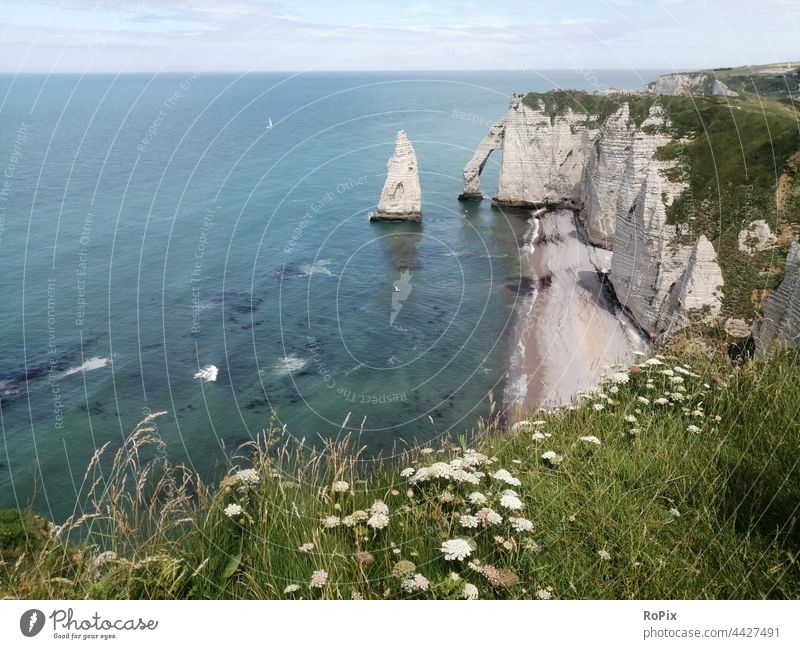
(682, 84)
(610, 174)
(401, 198)
(543, 157)
(472, 172)
(782, 308)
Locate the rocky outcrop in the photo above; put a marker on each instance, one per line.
(659, 283)
(756, 237)
(689, 84)
(737, 328)
(472, 172)
(401, 198)
(616, 170)
(543, 157)
(697, 293)
(782, 308)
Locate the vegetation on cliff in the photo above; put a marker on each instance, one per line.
(677, 478)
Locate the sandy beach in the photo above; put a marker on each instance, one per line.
(569, 332)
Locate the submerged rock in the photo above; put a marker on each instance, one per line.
(401, 198)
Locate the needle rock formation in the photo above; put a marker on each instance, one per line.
(401, 198)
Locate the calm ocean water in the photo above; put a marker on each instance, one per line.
(150, 226)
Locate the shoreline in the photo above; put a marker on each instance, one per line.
(570, 332)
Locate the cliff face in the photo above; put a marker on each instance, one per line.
(689, 84)
(616, 170)
(782, 308)
(543, 158)
(401, 198)
(612, 176)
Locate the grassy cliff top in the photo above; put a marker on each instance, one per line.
(675, 479)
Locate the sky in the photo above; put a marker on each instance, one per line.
(91, 36)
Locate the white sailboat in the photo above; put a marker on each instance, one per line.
(269, 124)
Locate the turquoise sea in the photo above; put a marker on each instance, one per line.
(151, 226)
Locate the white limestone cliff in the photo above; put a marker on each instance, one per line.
(401, 198)
(616, 170)
(472, 172)
(782, 308)
(681, 84)
(543, 158)
(661, 284)
(613, 178)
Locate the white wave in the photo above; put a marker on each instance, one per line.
(289, 364)
(94, 363)
(207, 373)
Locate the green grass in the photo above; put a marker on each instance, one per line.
(664, 512)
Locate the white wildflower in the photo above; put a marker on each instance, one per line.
(487, 516)
(674, 512)
(643, 400)
(470, 591)
(661, 401)
(340, 486)
(446, 497)
(468, 521)
(456, 549)
(407, 473)
(538, 437)
(415, 583)
(544, 593)
(306, 547)
(630, 418)
(531, 545)
(620, 378)
(473, 458)
(291, 588)
(247, 479)
(521, 524)
(378, 521)
(319, 578)
(511, 501)
(329, 522)
(604, 555)
(439, 470)
(379, 507)
(459, 475)
(653, 361)
(598, 406)
(552, 457)
(504, 476)
(691, 428)
(233, 510)
(477, 498)
(591, 439)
